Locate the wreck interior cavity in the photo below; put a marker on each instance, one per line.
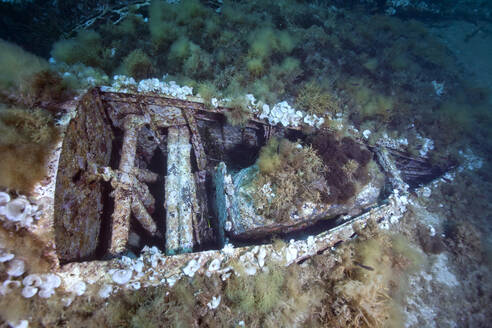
(161, 172)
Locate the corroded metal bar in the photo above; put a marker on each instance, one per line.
(181, 203)
(201, 158)
(122, 193)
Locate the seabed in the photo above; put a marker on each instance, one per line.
(148, 214)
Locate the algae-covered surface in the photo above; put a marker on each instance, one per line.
(363, 128)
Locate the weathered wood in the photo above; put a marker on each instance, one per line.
(163, 101)
(181, 203)
(240, 215)
(141, 214)
(196, 141)
(120, 224)
(78, 199)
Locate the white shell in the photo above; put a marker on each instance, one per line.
(46, 293)
(214, 265)
(105, 291)
(79, 288)
(4, 198)
(51, 281)
(214, 303)
(17, 209)
(16, 268)
(32, 280)
(121, 277)
(29, 291)
(191, 268)
(5, 288)
(4, 256)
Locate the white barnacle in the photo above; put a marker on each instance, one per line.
(309, 120)
(46, 293)
(125, 260)
(172, 280)
(228, 249)
(290, 254)
(17, 209)
(49, 284)
(5, 256)
(19, 324)
(29, 291)
(261, 256)
(16, 268)
(214, 265)
(191, 268)
(67, 301)
(135, 285)
(51, 280)
(214, 303)
(105, 291)
(225, 276)
(32, 280)
(138, 266)
(4, 198)
(7, 285)
(228, 225)
(78, 288)
(122, 276)
(248, 262)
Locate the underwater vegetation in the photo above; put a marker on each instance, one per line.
(26, 137)
(331, 170)
(346, 164)
(370, 68)
(356, 285)
(239, 113)
(27, 133)
(380, 73)
(294, 174)
(314, 99)
(28, 80)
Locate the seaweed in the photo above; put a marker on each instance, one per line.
(346, 165)
(315, 100)
(294, 175)
(26, 138)
(138, 65)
